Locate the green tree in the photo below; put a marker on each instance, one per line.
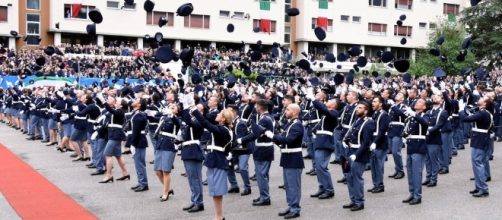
(454, 34)
(483, 22)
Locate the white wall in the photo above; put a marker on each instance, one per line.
(12, 23)
(133, 22)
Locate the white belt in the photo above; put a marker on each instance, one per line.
(44, 109)
(264, 144)
(314, 121)
(354, 145)
(480, 130)
(214, 147)
(167, 134)
(454, 115)
(345, 126)
(325, 132)
(114, 126)
(291, 150)
(80, 118)
(92, 121)
(152, 123)
(130, 132)
(128, 113)
(186, 143)
(244, 120)
(375, 133)
(397, 123)
(422, 137)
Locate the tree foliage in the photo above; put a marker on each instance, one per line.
(454, 35)
(483, 21)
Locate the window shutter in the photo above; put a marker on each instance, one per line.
(323, 4)
(265, 5)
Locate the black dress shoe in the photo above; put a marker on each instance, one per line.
(281, 186)
(472, 178)
(291, 215)
(152, 162)
(186, 208)
(246, 192)
(310, 171)
(425, 183)
(262, 203)
(196, 208)
(342, 180)
(30, 139)
(399, 176)
(135, 187)
(313, 173)
(357, 208)
(378, 190)
(488, 179)
(408, 200)
(481, 194)
(317, 194)
(491, 157)
(443, 171)
(91, 166)
(141, 189)
(234, 190)
(73, 155)
(45, 141)
(253, 177)
(307, 157)
(474, 191)
(371, 190)
(283, 213)
(127, 152)
(326, 195)
(393, 175)
(107, 180)
(256, 200)
(126, 177)
(454, 154)
(184, 174)
(50, 144)
(432, 184)
(204, 182)
(415, 201)
(349, 206)
(335, 162)
(98, 172)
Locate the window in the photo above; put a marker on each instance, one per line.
(32, 28)
(403, 4)
(130, 7)
(112, 4)
(432, 25)
(402, 31)
(225, 14)
(197, 21)
(329, 27)
(378, 3)
(238, 15)
(344, 18)
(154, 20)
(377, 29)
(356, 19)
(450, 9)
(3, 14)
(256, 23)
(33, 4)
(287, 38)
(287, 29)
(77, 11)
(422, 25)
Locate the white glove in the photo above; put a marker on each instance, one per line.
(152, 113)
(229, 157)
(21, 112)
(167, 111)
(410, 112)
(492, 135)
(101, 97)
(133, 150)
(314, 136)
(64, 117)
(305, 123)
(94, 135)
(404, 140)
(269, 134)
(353, 157)
(75, 108)
(390, 101)
(310, 97)
(32, 106)
(372, 147)
(345, 145)
(280, 94)
(239, 141)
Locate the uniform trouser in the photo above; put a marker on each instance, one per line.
(140, 165)
(458, 138)
(99, 156)
(151, 134)
(35, 123)
(293, 187)
(489, 153)
(432, 162)
(355, 182)
(93, 144)
(262, 169)
(467, 126)
(322, 157)
(396, 144)
(45, 128)
(478, 157)
(309, 142)
(498, 131)
(337, 135)
(414, 167)
(242, 161)
(25, 117)
(377, 161)
(446, 140)
(193, 169)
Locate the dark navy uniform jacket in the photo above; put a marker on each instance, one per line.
(221, 137)
(139, 123)
(382, 120)
(347, 118)
(290, 142)
(80, 122)
(241, 130)
(397, 117)
(417, 130)
(264, 147)
(447, 106)
(168, 130)
(361, 137)
(324, 131)
(91, 112)
(311, 115)
(116, 123)
(483, 121)
(455, 119)
(245, 112)
(153, 121)
(230, 98)
(437, 120)
(192, 133)
(65, 107)
(40, 103)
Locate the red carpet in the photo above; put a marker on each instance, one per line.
(31, 195)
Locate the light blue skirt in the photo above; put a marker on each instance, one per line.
(217, 181)
(164, 160)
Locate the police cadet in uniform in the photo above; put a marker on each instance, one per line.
(380, 145)
(347, 119)
(91, 113)
(482, 124)
(358, 141)
(446, 133)
(153, 112)
(437, 118)
(79, 133)
(309, 120)
(397, 117)
(139, 143)
(415, 132)
(240, 155)
(290, 142)
(324, 143)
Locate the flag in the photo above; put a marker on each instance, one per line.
(75, 9)
(265, 5)
(265, 25)
(322, 22)
(323, 4)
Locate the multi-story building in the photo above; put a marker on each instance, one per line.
(369, 24)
